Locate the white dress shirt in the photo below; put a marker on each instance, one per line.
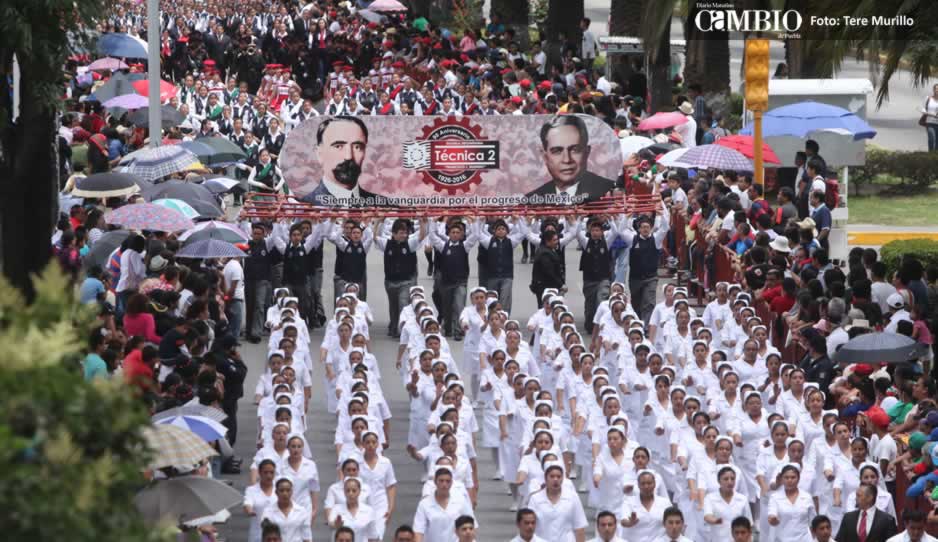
(436, 523)
(557, 521)
(294, 526)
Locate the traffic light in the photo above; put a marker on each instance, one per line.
(757, 74)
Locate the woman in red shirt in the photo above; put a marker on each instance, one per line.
(137, 321)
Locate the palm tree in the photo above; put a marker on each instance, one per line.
(656, 39)
(623, 21)
(565, 16)
(708, 56)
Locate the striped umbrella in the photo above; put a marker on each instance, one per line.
(716, 157)
(210, 249)
(154, 163)
(231, 233)
(174, 446)
(148, 216)
(178, 205)
(208, 429)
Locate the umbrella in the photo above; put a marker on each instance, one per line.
(118, 85)
(154, 163)
(744, 144)
(206, 209)
(233, 233)
(879, 348)
(107, 63)
(201, 150)
(802, 118)
(126, 101)
(208, 429)
(169, 116)
(148, 216)
(185, 498)
(661, 121)
(102, 248)
(220, 185)
(178, 205)
(387, 5)
(632, 144)
(106, 185)
(716, 157)
(210, 248)
(177, 189)
(673, 158)
(167, 89)
(204, 411)
(122, 45)
(370, 16)
(217, 234)
(224, 151)
(175, 447)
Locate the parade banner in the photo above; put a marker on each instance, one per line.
(472, 161)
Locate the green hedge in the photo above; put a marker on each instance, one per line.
(918, 169)
(925, 250)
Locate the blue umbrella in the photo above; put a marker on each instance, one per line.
(802, 118)
(210, 248)
(122, 45)
(209, 429)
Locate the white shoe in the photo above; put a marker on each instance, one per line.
(497, 477)
(513, 507)
(581, 488)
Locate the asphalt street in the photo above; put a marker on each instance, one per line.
(497, 524)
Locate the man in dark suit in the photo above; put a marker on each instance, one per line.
(217, 44)
(548, 267)
(340, 145)
(566, 151)
(866, 523)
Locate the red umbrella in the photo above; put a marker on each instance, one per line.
(660, 121)
(167, 89)
(743, 144)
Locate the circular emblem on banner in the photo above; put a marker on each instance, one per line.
(451, 154)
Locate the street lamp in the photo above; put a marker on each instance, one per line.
(757, 96)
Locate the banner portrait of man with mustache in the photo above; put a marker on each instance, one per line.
(341, 143)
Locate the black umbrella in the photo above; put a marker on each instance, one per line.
(224, 151)
(880, 348)
(103, 247)
(106, 185)
(186, 191)
(169, 117)
(118, 85)
(206, 209)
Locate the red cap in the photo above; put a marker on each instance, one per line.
(505, 71)
(464, 57)
(878, 417)
(544, 85)
(438, 45)
(287, 70)
(526, 83)
(338, 63)
(517, 100)
(209, 62)
(863, 369)
(184, 39)
(348, 69)
(398, 64)
(372, 25)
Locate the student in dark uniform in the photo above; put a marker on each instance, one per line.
(294, 263)
(596, 265)
(400, 247)
(547, 271)
(499, 257)
(354, 249)
(453, 264)
(258, 274)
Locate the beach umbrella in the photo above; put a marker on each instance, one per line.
(185, 498)
(178, 205)
(106, 185)
(175, 447)
(209, 429)
(802, 118)
(169, 116)
(107, 63)
(122, 45)
(210, 249)
(153, 163)
(167, 89)
(632, 144)
(204, 411)
(118, 85)
(102, 248)
(224, 151)
(662, 121)
(220, 185)
(716, 157)
(745, 145)
(126, 101)
(880, 348)
(387, 5)
(149, 216)
(217, 230)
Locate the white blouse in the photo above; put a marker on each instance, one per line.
(305, 480)
(794, 517)
(259, 502)
(558, 521)
(716, 505)
(295, 526)
(436, 523)
(363, 522)
(649, 524)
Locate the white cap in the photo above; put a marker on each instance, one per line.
(895, 301)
